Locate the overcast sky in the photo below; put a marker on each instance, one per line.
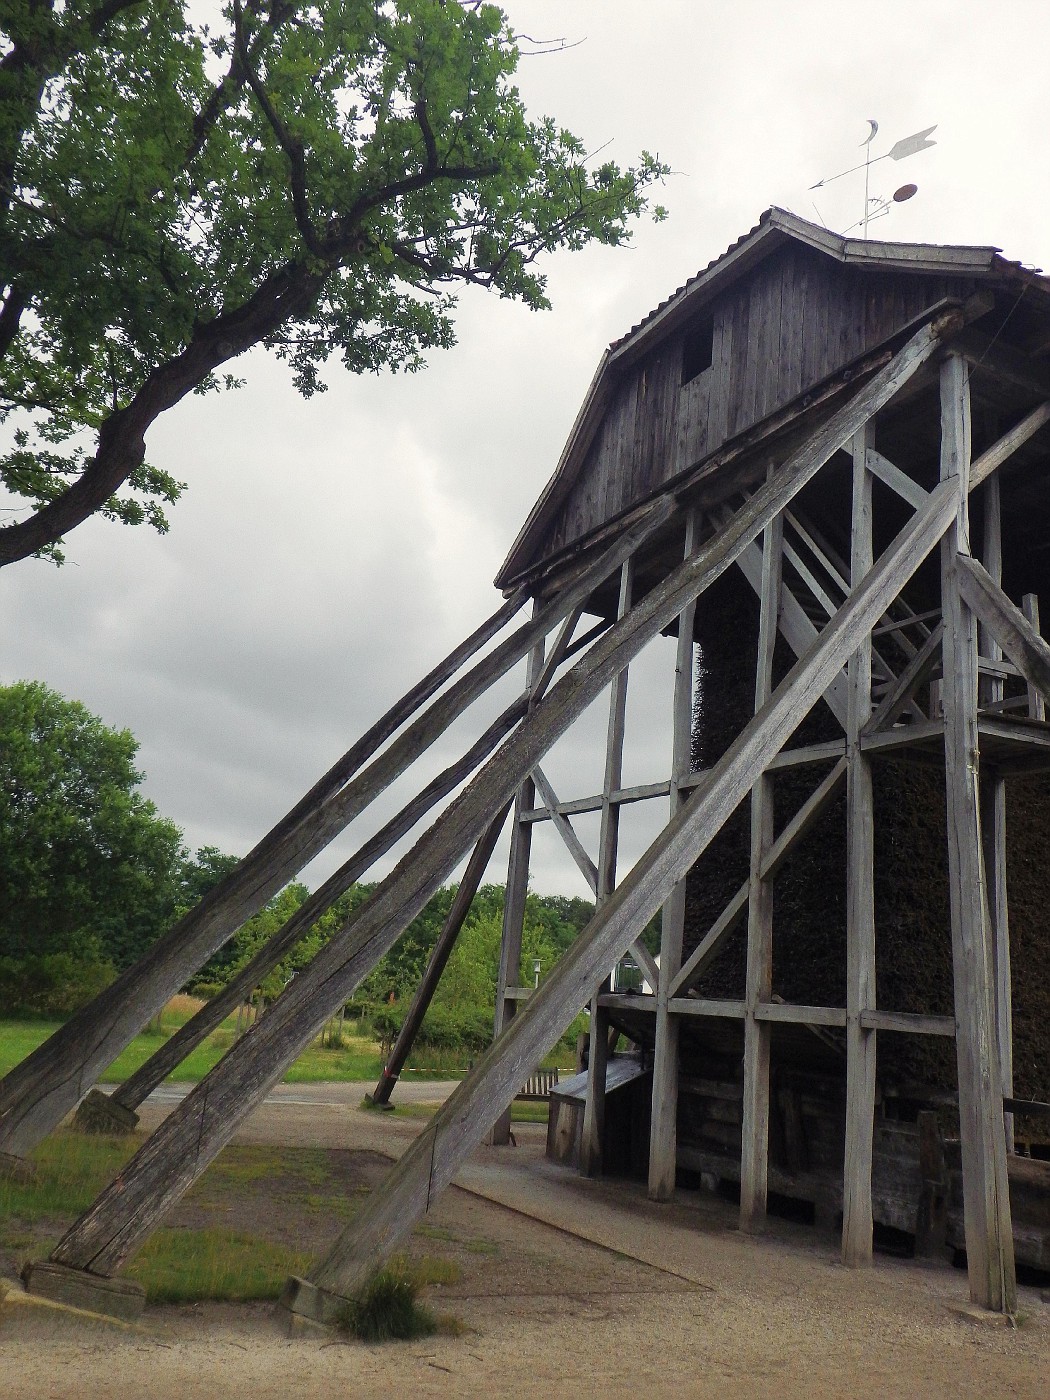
(327, 552)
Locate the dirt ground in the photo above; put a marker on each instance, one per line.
(566, 1287)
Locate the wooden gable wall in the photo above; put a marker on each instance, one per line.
(795, 319)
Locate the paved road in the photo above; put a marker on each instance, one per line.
(327, 1094)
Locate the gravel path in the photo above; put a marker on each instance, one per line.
(585, 1288)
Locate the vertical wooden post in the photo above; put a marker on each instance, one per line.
(754, 1145)
(593, 1133)
(514, 900)
(1036, 703)
(860, 902)
(986, 1197)
(993, 817)
(663, 1136)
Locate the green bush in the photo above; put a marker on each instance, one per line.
(53, 984)
(386, 1308)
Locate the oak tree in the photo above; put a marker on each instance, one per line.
(317, 177)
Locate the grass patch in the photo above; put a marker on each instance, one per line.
(190, 1266)
(72, 1169)
(387, 1308)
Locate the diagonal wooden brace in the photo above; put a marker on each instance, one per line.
(127, 1212)
(38, 1093)
(431, 1162)
(1006, 622)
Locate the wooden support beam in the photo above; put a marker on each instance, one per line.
(708, 1006)
(795, 627)
(592, 1136)
(1006, 622)
(428, 1166)
(515, 893)
(910, 1022)
(192, 1135)
(754, 1138)
(1036, 703)
(895, 479)
(915, 674)
(663, 1130)
(857, 1219)
(986, 1195)
(643, 792)
(173, 1051)
(36, 1095)
(993, 806)
(792, 1014)
(438, 960)
(781, 848)
(562, 826)
(992, 459)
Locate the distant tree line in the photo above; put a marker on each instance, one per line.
(91, 875)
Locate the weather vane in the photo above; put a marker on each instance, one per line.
(907, 146)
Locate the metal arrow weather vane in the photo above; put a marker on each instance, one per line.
(907, 146)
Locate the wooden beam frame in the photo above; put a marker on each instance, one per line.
(191, 1136)
(433, 1158)
(781, 848)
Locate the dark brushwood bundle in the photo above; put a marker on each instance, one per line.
(913, 955)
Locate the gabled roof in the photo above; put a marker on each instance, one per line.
(775, 228)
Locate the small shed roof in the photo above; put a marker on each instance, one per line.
(774, 228)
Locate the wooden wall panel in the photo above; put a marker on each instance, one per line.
(795, 319)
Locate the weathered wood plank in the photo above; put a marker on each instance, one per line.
(857, 1220)
(895, 479)
(911, 1022)
(989, 1241)
(1006, 622)
(438, 960)
(915, 674)
(993, 806)
(790, 1013)
(592, 1137)
(663, 1131)
(1036, 703)
(562, 826)
(515, 892)
(754, 1136)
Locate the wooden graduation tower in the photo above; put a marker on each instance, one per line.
(849, 431)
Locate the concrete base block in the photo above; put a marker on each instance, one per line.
(306, 1301)
(973, 1312)
(14, 1168)
(113, 1297)
(99, 1113)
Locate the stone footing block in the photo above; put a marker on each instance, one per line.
(99, 1113)
(113, 1297)
(305, 1301)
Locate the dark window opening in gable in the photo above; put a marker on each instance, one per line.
(698, 349)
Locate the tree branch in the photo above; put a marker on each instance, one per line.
(290, 145)
(288, 293)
